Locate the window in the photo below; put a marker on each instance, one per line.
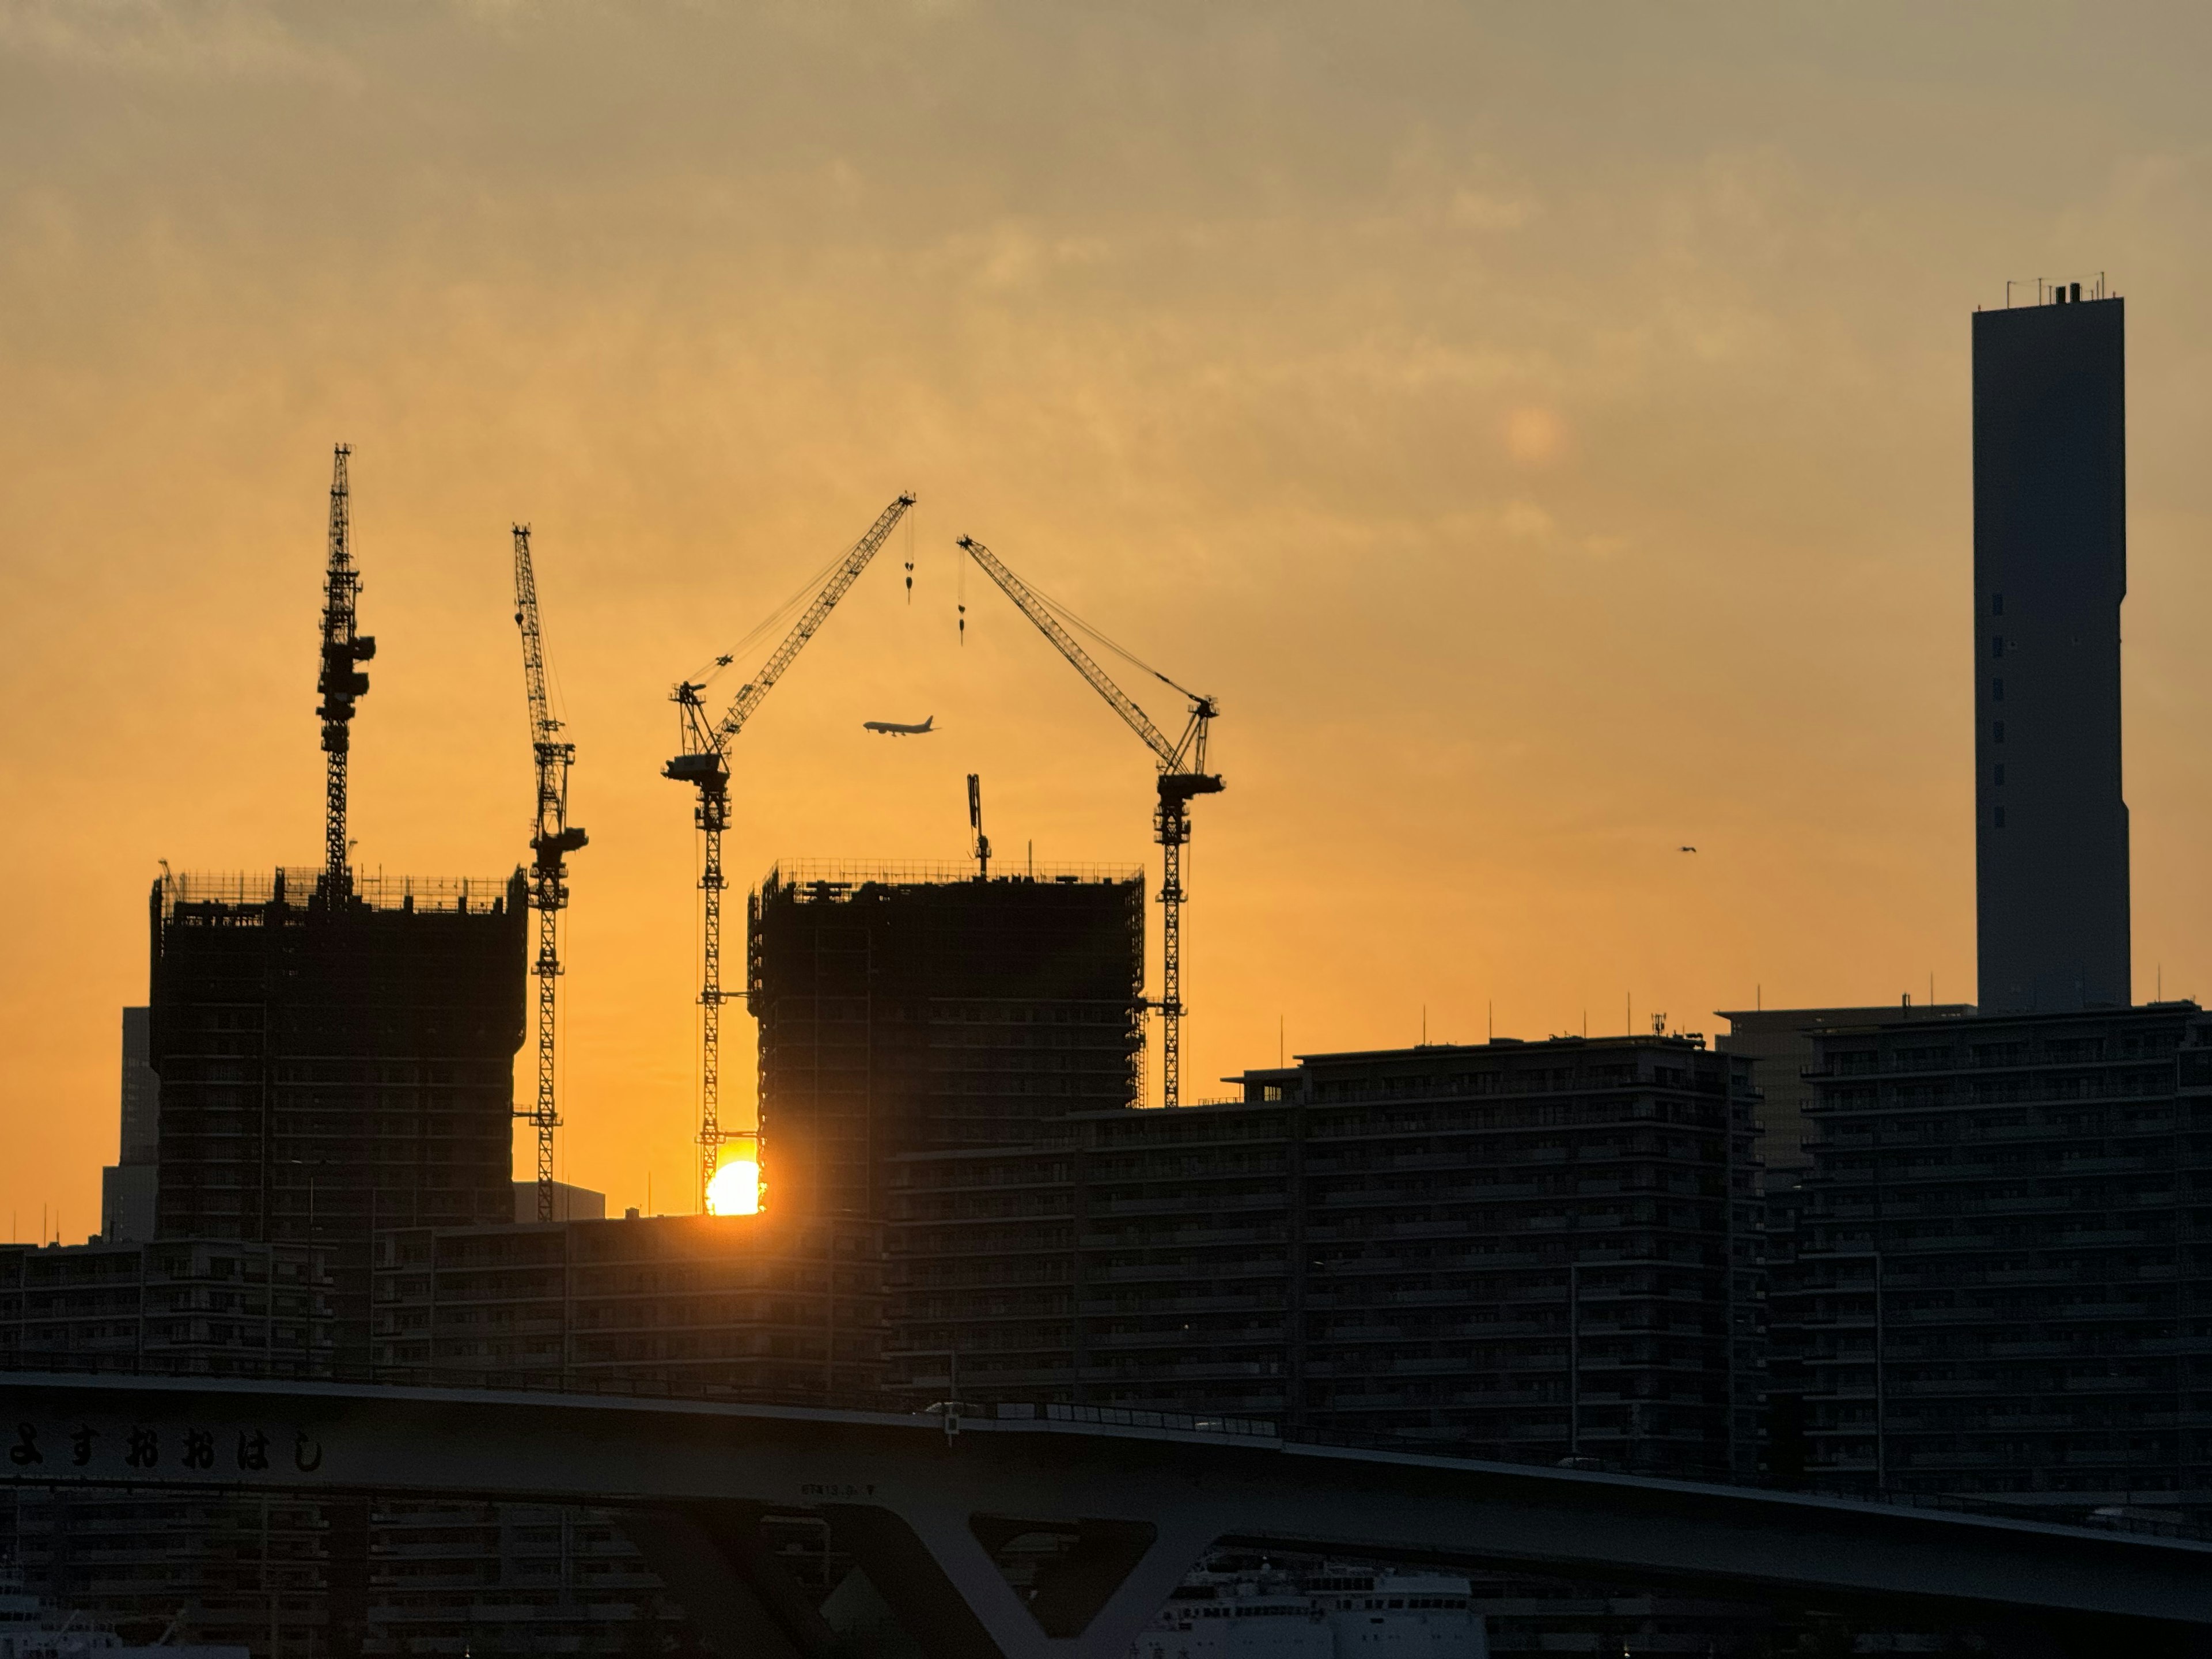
(1999, 773)
(1996, 732)
(1996, 605)
(2000, 818)
(1996, 644)
(1996, 690)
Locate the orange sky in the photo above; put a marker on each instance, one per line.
(1544, 428)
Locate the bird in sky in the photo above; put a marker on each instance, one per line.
(1689, 849)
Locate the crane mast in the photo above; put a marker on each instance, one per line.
(704, 764)
(552, 840)
(1183, 776)
(340, 680)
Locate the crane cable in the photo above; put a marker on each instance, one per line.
(708, 672)
(1110, 643)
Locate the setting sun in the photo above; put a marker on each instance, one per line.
(735, 1190)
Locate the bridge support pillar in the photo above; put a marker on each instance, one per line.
(937, 1572)
(740, 1599)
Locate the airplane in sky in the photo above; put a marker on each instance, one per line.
(894, 729)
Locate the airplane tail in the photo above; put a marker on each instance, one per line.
(929, 722)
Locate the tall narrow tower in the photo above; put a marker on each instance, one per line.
(340, 680)
(2050, 568)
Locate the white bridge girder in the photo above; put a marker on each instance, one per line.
(919, 1508)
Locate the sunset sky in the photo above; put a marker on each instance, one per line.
(1544, 428)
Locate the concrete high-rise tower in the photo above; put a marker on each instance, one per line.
(336, 1060)
(919, 1011)
(127, 1185)
(2050, 546)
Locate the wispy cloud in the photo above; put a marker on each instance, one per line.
(195, 38)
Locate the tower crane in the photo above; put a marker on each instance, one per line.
(704, 764)
(340, 680)
(551, 841)
(1182, 776)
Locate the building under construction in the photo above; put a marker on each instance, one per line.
(919, 1009)
(328, 1070)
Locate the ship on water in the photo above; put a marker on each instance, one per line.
(1257, 1610)
(31, 1629)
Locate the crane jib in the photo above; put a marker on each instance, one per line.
(702, 764)
(750, 695)
(1099, 680)
(1178, 783)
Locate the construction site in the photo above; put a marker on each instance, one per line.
(331, 1068)
(942, 1193)
(321, 1174)
(966, 1180)
(329, 1055)
(918, 1011)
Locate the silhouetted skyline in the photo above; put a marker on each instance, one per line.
(1552, 443)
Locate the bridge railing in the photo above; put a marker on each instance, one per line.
(1118, 1416)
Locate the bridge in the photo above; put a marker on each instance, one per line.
(924, 1504)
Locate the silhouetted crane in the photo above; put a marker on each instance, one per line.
(704, 764)
(1182, 776)
(551, 841)
(341, 680)
(976, 822)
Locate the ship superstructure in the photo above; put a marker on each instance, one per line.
(1236, 1608)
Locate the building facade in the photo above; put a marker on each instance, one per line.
(1779, 1043)
(916, 1010)
(127, 1185)
(760, 1307)
(570, 1203)
(327, 1071)
(1525, 1251)
(2004, 1276)
(2050, 570)
(744, 1306)
(184, 1307)
(258, 1572)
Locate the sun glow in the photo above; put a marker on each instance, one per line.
(735, 1190)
